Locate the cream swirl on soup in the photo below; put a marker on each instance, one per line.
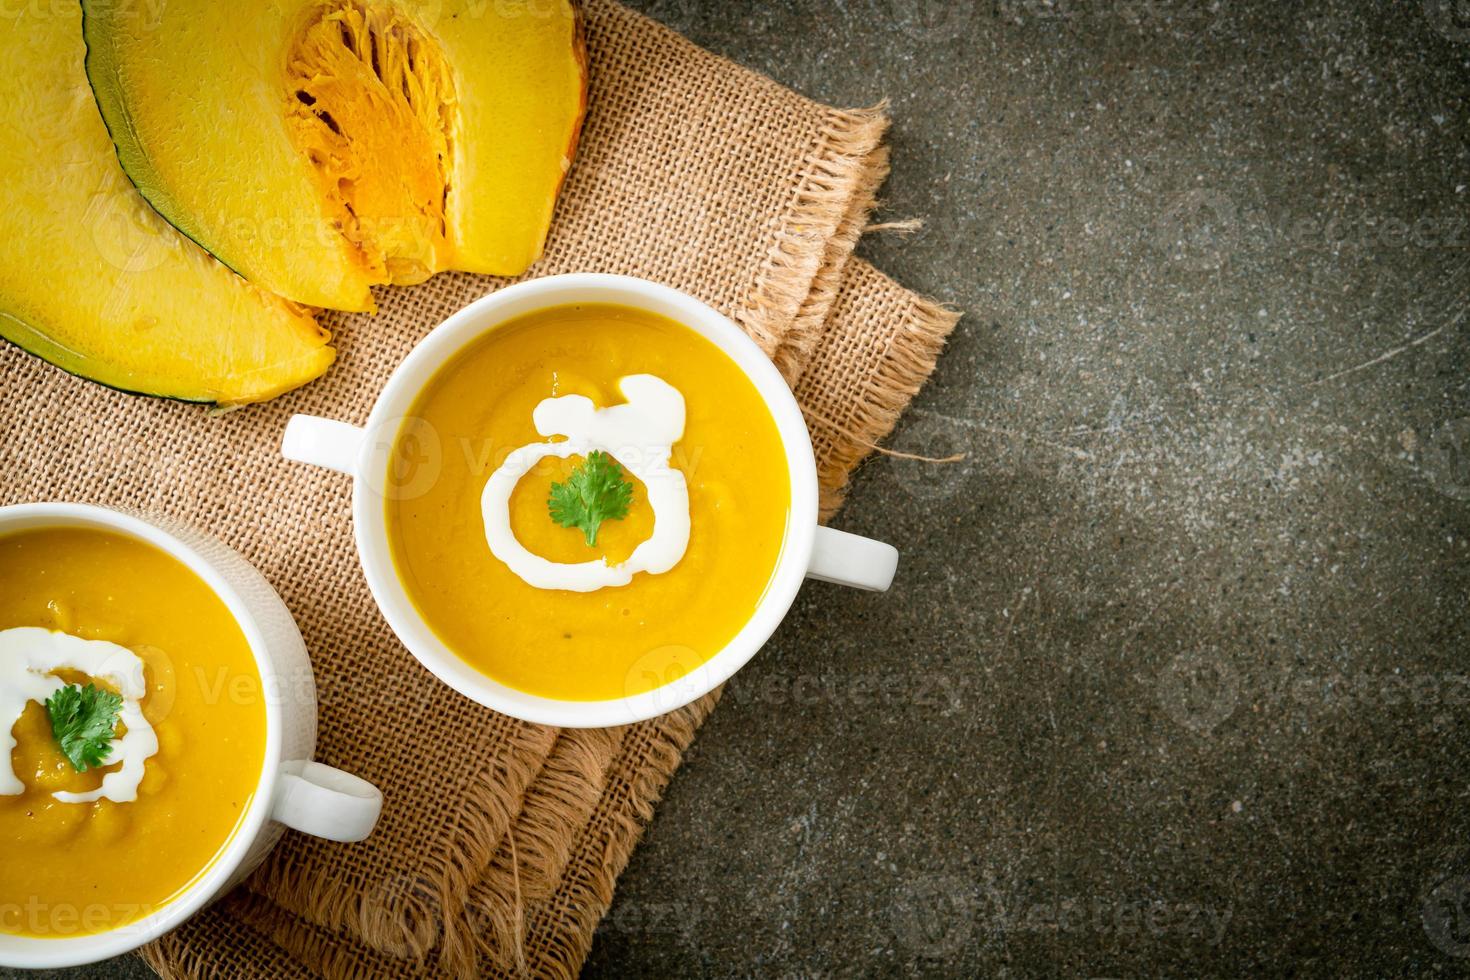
(29, 656)
(641, 434)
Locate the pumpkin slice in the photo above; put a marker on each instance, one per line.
(319, 147)
(95, 282)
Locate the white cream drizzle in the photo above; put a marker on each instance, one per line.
(640, 434)
(28, 657)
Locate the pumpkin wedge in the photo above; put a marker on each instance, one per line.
(319, 147)
(91, 279)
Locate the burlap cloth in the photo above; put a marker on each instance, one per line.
(501, 842)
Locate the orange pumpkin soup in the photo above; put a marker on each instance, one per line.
(89, 851)
(586, 596)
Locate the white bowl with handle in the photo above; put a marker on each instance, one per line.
(292, 792)
(364, 452)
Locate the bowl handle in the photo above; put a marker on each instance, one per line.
(322, 442)
(848, 559)
(326, 802)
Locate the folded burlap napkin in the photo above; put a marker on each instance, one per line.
(501, 841)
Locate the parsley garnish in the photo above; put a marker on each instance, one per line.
(595, 492)
(83, 720)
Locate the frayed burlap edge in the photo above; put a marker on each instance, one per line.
(409, 923)
(796, 348)
(562, 929)
(802, 270)
(534, 855)
(911, 356)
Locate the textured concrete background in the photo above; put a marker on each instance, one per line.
(1173, 681)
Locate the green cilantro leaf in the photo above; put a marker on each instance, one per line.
(595, 492)
(83, 720)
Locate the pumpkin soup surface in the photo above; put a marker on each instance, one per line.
(69, 868)
(615, 640)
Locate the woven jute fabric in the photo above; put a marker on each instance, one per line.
(502, 857)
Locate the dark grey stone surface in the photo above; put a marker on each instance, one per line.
(1174, 678)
